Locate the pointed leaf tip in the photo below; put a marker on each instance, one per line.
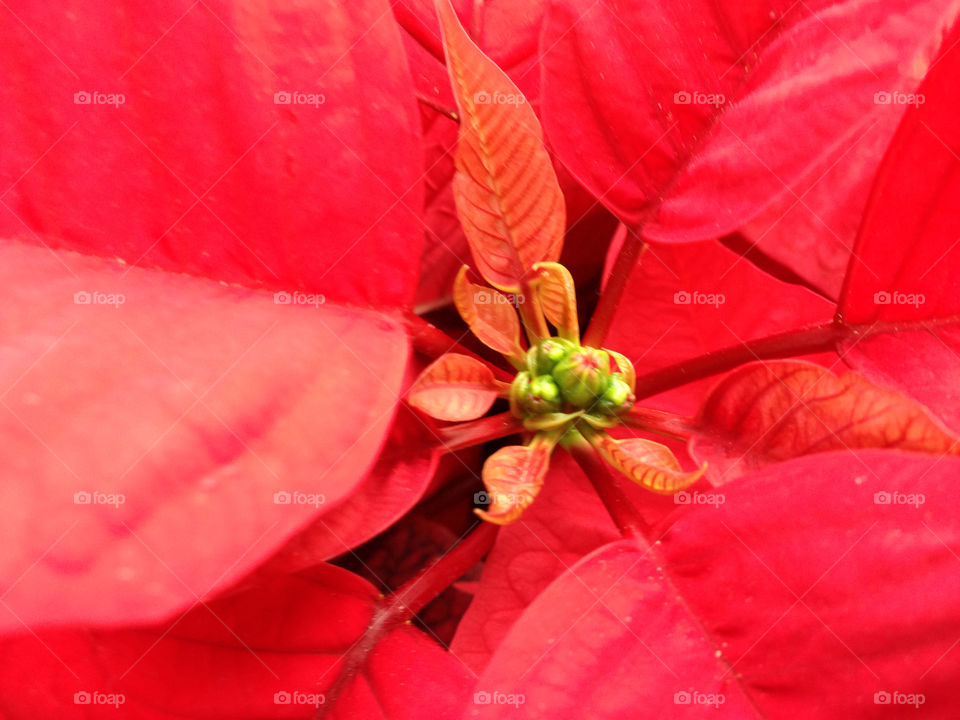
(506, 191)
(647, 463)
(558, 297)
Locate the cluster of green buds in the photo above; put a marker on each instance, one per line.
(563, 381)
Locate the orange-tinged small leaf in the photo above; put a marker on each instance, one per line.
(505, 188)
(772, 411)
(647, 463)
(625, 368)
(455, 387)
(513, 477)
(558, 298)
(490, 316)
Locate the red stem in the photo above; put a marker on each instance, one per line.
(658, 421)
(463, 435)
(434, 343)
(408, 600)
(630, 252)
(627, 520)
(795, 342)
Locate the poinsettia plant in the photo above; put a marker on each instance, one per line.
(686, 444)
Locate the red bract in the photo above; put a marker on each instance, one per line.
(208, 329)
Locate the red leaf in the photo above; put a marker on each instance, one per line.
(907, 261)
(809, 571)
(923, 364)
(265, 650)
(198, 404)
(730, 107)
(507, 194)
(767, 412)
(203, 169)
(455, 387)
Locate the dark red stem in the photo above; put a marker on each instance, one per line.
(408, 600)
(434, 343)
(629, 253)
(624, 515)
(795, 342)
(467, 434)
(658, 421)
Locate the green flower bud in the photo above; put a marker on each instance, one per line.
(519, 389)
(583, 376)
(543, 357)
(543, 395)
(618, 395)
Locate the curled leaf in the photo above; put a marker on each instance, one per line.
(505, 188)
(513, 477)
(772, 411)
(625, 368)
(558, 298)
(455, 388)
(490, 316)
(647, 463)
